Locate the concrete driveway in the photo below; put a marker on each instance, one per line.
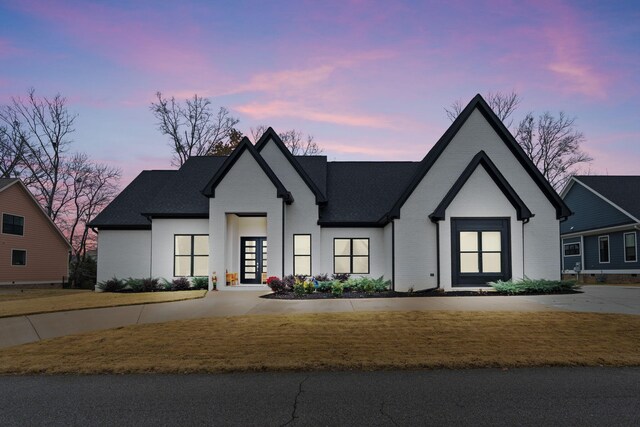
(24, 329)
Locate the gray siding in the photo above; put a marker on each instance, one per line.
(589, 212)
(616, 253)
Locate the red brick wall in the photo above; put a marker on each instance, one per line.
(47, 253)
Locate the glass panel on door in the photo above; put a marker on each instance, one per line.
(253, 262)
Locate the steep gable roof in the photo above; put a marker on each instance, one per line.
(562, 211)
(245, 145)
(481, 159)
(125, 211)
(622, 192)
(5, 183)
(270, 134)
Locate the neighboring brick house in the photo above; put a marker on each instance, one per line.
(602, 234)
(33, 251)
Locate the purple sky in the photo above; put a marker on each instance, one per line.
(368, 79)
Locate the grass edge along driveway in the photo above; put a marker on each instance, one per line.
(84, 300)
(340, 341)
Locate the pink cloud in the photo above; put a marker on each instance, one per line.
(273, 109)
(130, 37)
(384, 152)
(614, 153)
(572, 51)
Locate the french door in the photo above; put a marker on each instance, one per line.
(253, 259)
(480, 251)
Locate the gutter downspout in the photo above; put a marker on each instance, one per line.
(283, 222)
(393, 255)
(437, 255)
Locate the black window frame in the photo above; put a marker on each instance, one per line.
(600, 240)
(309, 255)
(577, 244)
(351, 256)
(635, 246)
(13, 252)
(191, 255)
(6, 225)
(479, 225)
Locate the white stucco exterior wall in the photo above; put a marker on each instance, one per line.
(378, 263)
(480, 197)
(244, 189)
(301, 217)
(416, 235)
(124, 254)
(162, 241)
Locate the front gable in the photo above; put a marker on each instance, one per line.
(481, 159)
(273, 150)
(245, 160)
(480, 129)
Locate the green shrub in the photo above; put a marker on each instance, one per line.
(135, 285)
(111, 285)
(163, 285)
(309, 287)
(298, 288)
(325, 286)
(529, 286)
(200, 282)
(337, 289)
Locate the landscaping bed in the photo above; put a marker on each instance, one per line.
(343, 286)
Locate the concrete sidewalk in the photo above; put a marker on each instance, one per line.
(30, 328)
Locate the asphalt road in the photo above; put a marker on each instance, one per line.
(545, 396)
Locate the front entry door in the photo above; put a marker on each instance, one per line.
(253, 259)
(480, 251)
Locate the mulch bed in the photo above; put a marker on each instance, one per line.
(394, 294)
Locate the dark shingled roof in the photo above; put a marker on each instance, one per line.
(316, 167)
(4, 182)
(364, 192)
(125, 211)
(182, 196)
(622, 190)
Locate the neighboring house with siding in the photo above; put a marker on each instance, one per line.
(602, 234)
(33, 251)
(474, 209)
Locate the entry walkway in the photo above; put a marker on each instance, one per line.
(30, 328)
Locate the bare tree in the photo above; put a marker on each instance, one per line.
(293, 139)
(37, 132)
(11, 146)
(193, 128)
(503, 104)
(553, 144)
(34, 140)
(92, 187)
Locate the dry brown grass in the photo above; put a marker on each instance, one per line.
(18, 294)
(368, 341)
(47, 301)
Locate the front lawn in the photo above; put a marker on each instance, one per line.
(47, 301)
(340, 341)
